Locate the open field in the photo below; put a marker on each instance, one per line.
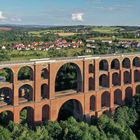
(106, 29)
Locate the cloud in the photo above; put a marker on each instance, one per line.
(16, 19)
(77, 16)
(1, 16)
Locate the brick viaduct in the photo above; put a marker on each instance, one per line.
(104, 82)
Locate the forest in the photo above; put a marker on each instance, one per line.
(121, 125)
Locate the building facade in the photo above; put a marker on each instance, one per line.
(103, 84)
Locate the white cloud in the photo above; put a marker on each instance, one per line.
(16, 19)
(77, 16)
(1, 16)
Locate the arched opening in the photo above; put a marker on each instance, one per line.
(126, 63)
(68, 79)
(103, 65)
(136, 76)
(6, 75)
(44, 91)
(116, 79)
(44, 74)
(127, 77)
(92, 103)
(6, 117)
(27, 115)
(138, 89)
(6, 96)
(71, 108)
(45, 113)
(91, 84)
(25, 93)
(25, 73)
(115, 64)
(136, 62)
(128, 95)
(104, 81)
(118, 97)
(105, 99)
(91, 68)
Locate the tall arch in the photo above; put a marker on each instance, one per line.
(127, 77)
(128, 95)
(116, 79)
(71, 107)
(91, 68)
(91, 84)
(6, 117)
(118, 97)
(115, 64)
(103, 65)
(45, 113)
(44, 91)
(25, 73)
(68, 77)
(138, 89)
(105, 99)
(6, 75)
(126, 63)
(44, 73)
(92, 103)
(104, 80)
(136, 62)
(136, 75)
(27, 115)
(6, 96)
(25, 93)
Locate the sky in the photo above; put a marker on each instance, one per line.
(70, 12)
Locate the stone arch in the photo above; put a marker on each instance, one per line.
(68, 77)
(104, 80)
(45, 91)
(128, 95)
(115, 64)
(6, 117)
(25, 73)
(116, 79)
(138, 89)
(103, 65)
(45, 113)
(136, 75)
(27, 115)
(92, 103)
(69, 108)
(6, 96)
(127, 77)
(6, 75)
(91, 68)
(105, 99)
(118, 97)
(136, 62)
(44, 73)
(126, 63)
(25, 93)
(91, 83)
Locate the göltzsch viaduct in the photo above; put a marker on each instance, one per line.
(103, 84)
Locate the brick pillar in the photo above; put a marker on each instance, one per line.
(110, 79)
(51, 80)
(111, 98)
(122, 79)
(37, 82)
(96, 75)
(85, 76)
(132, 76)
(16, 117)
(15, 86)
(37, 114)
(53, 110)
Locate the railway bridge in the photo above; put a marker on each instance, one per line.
(102, 84)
